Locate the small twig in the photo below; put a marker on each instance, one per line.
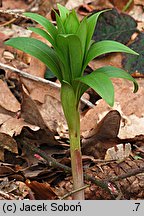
(53, 163)
(8, 23)
(127, 5)
(132, 172)
(39, 79)
(74, 191)
(29, 76)
(101, 183)
(6, 196)
(18, 12)
(14, 12)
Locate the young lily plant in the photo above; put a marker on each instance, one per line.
(71, 50)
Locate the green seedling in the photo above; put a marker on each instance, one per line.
(71, 50)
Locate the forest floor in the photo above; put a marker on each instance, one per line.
(34, 141)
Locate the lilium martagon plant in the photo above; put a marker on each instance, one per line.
(72, 48)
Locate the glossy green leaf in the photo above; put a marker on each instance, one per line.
(114, 72)
(75, 55)
(82, 34)
(63, 53)
(101, 83)
(39, 50)
(43, 22)
(60, 26)
(91, 23)
(71, 51)
(71, 23)
(63, 12)
(103, 47)
(42, 33)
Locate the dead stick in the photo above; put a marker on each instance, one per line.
(39, 79)
(6, 196)
(14, 12)
(53, 163)
(29, 76)
(101, 183)
(130, 173)
(8, 22)
(73, 191)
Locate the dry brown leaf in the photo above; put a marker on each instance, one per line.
(42, 191)
(7, 99)
(6, 170)
(23, 190)
(52, 113)
(101, 4)
(38, 91)
(103, 136)
(85, 9)
(47, 115)
(73, 4)
(14, 126)
(5, 115)
(139, 2)
(119, 152)
(11, 4)
(11, 124)
(30, 112)
(97, 5)
(7, 142)
(133, 127)
(112, 59)
(107, 128)
(3, 37)
(137, 13)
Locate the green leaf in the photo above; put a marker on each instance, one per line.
(39, 50)
(75, 55)
(103, 47)
(114, 72)
(63, 12)
(42, 33)
(71, 23)
(82, 34)
(60, 26)
(101, 83)
(63, 53)
(43, 22)
(111, 72)
(91, 23)
(71, 55)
